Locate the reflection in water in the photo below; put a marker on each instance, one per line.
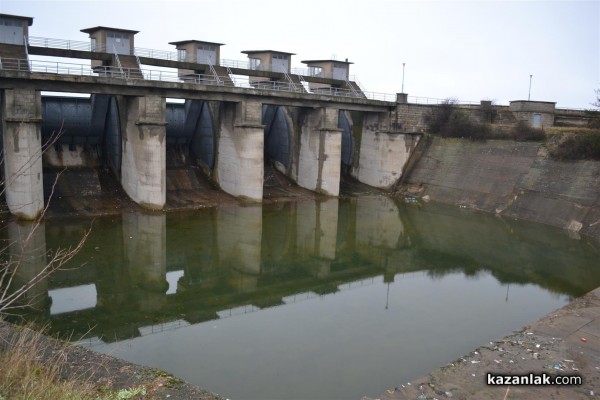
(145, 248)
(26, 245)
(294, 292)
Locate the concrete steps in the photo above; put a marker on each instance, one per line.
(298, 83)
(222, 72)
(130, 66)
(355, 88)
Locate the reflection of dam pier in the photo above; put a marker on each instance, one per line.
(166, 271)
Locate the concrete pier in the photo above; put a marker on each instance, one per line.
(144, 151)
(240, 154)
(319, 161)
(21, 121)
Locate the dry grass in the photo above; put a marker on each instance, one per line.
(30, 368)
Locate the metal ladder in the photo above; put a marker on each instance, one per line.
(303, 82)
(139, 64)
(25, 42)
(118, 62)
(214, 72)
(292, 84)
(352, 88)
(230, 73)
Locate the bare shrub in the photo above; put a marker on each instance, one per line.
(524, 132)
(439, 115)
(576, 146)
(447, 120)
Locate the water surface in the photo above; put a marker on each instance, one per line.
(311, 300)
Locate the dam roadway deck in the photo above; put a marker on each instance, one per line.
(182, 90)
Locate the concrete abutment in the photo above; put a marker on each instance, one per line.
(382, 153)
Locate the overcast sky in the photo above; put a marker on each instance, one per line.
(470, 50)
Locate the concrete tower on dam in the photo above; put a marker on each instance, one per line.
(157, 120)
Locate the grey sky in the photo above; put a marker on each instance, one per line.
(469, 50)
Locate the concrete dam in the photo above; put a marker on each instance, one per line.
(196, 129)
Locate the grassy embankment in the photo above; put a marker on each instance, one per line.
(32, 369)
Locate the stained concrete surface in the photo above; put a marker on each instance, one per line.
(565, 342)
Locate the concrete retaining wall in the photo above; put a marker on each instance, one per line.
(514, 179)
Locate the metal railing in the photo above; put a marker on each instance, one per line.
(40, 66)
(231, 76)
(26, 49)
(301, 71)
(433, 100)
(161, 55)
(63, 44)
(158, 54)
(351, 87)
(241, 64)
(118, 61)
(214, 72)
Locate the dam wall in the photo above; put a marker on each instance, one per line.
(511, 179)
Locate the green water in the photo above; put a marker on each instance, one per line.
(309, 300)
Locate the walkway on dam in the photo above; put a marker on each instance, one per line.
(566, 342)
